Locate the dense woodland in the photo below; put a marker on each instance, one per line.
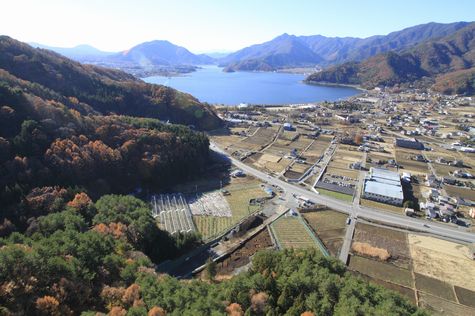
(76, 232)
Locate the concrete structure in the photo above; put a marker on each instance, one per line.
(382, 185)
(409, 143)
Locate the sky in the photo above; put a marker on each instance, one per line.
(214, 25)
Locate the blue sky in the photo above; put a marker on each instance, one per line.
(214, 25)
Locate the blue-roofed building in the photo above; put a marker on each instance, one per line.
(382, 185)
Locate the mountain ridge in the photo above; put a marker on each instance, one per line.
(439, 61)
(100, 90)
(334, 50)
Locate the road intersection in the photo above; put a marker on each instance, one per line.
(369, 214)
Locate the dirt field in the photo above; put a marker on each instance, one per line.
(395, 242)
(317, 148)
(382, 271)
(403, 157)
(329, 226)
(241, 256)
(383, 206)
(268, 162)
(435, 287)
(460, 192)
(465, 296)
(438, 306)
(442, 260)
(443, 170)
(406, 292)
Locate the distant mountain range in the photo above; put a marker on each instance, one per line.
(282, 52)
(79, 53)
(299, 51)
(447, 64)
(422, 51)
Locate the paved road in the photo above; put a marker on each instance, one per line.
(457, 233)
(345, 248)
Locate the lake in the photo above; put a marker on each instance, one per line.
(210, 84)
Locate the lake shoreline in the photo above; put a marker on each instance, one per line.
(331, 84)
(210, 84)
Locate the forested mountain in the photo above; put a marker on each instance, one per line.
(160, 53)
(283, 51)
(447, 61)
(98, 90)
(338, 50)
(63, 149)
(60, 132)
(324, 51)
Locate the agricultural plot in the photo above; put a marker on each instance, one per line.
(211, 204)
(382, 271)
(290, 232)
(241, 257)
(261, 137)
(317, 149)
(435, 287)
(443, 260)
(403, 158)
(210, 226)
(437, 306)
(227, 140)
(408, 293)
(173, 212)
(444, 170)
(330, 227)
(241, 191)
(464, 193)
(336, 195)
(395, 242)
(417, 263)
(381, 206)
(268, 162)
(465, 297)
(254, 142)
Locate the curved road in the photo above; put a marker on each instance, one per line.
(457, 233)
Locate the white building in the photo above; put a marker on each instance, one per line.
(382, 185)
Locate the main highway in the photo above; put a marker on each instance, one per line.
(391, 219)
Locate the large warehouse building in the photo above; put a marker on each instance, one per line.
(382, 185)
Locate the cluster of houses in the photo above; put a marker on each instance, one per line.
(439, 206)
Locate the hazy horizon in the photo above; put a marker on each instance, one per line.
(213, 26)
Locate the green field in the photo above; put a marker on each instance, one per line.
(336, 195)
(291, 233)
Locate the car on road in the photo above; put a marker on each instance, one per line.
(348, 221)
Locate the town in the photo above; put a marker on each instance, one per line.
(383, 181)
